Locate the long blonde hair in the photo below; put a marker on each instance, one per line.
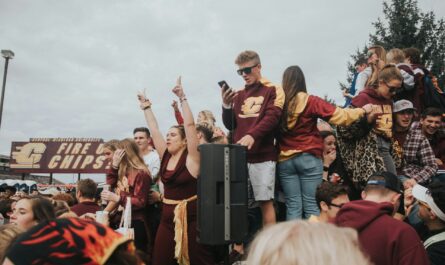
(208, 119)
(395, 56)
(381, 54)
(301, 243)
(131, 159)
(111, 144)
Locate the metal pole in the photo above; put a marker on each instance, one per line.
(3, 88)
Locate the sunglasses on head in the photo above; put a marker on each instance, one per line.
(246, 70)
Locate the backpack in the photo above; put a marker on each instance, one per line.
(426, 93)
(433, 96)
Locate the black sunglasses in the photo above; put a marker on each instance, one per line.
(246, 70)
(392, 89)
(336, 205)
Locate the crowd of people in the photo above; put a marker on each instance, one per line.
(358, 184)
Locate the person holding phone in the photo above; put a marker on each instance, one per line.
(253, 115)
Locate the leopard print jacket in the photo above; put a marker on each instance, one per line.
(358, 148)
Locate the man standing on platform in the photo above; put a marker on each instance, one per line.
(253, 114)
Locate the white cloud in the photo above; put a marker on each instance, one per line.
(79, 64)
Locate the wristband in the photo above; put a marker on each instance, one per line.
(325, 169)
(182, 99)
(145, 105)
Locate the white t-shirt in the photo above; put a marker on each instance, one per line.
(362, 78)
(153, 163)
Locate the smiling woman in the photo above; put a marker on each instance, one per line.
(366, 145)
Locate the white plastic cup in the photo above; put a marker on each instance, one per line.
(105, 187)
(102, 217)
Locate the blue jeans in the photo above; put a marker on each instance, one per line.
(299, 177)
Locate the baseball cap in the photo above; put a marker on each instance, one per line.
(402, 104)
(390, 181)
(423, 194)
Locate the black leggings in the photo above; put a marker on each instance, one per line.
(141, 239)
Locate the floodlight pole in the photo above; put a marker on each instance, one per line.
(7, 54)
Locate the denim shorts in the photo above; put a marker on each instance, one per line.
(262, 178)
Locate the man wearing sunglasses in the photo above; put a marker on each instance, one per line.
(253, 114)
(386, 240)
(330, 198)
(420, 162)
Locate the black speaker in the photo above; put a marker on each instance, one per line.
(222, 194)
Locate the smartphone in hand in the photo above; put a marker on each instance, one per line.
(223, 84)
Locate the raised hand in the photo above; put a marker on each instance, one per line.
(144, 102)
(178, 90)
(117, 157)
(175, 105)
(141, 96)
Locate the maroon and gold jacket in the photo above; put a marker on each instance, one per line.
(384, 122)
(302, 135)
(256, 111)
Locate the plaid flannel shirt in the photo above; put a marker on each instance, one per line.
(420, 161)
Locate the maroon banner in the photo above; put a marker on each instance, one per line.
(58, 155)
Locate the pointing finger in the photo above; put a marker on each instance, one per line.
(178, 81)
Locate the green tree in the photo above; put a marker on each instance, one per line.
(403, 25)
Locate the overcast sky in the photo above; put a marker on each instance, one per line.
(79, 64)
